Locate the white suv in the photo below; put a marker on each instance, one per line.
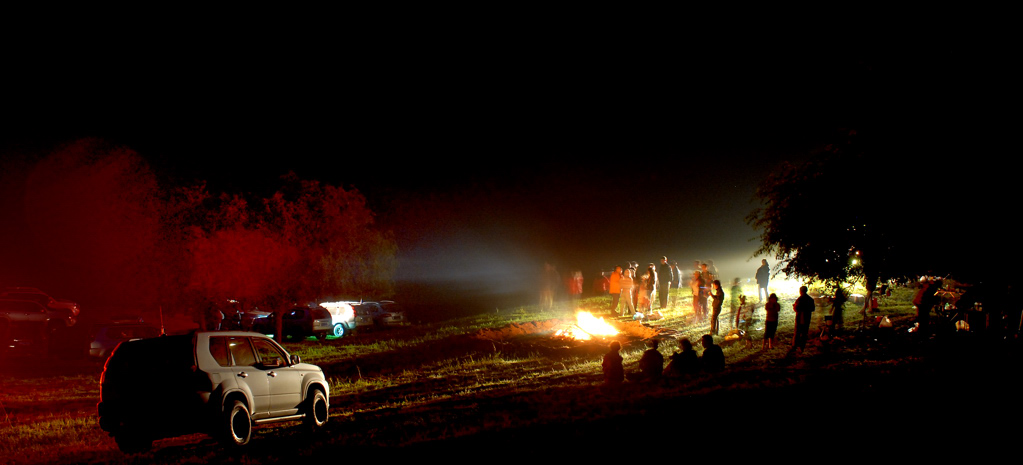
(219, 383)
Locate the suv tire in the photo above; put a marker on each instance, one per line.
(237, 425)
(339, 330)
(316, 411)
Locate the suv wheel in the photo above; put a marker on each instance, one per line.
(339, 330)
(237, 425)
(316, 411)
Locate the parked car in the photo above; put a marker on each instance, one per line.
(104, 338)
(219, 383)
(393, 314)
(374, 314)
(59, 309)
(298, 322)
(343, 316)
(249, 318)
(24, 325)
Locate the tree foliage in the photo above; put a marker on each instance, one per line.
(859, 209)
(89, 220)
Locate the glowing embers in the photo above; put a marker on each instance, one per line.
(585, 328)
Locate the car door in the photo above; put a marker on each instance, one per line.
(247, 372)
(285, 380)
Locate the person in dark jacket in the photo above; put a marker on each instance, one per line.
(684, 363)
(665, 276)
(763, 276)
(614, 373)
(651, 364)
(803, 306)
(713, 358)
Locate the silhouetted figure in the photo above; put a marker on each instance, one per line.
(651, 364)
(664, 279)
(771, 308)
(735, 301)
(803, 306)
(763, 276)
(837, 318)
(925, 299)
(684, 363)
(676, 281)
(713, 358)
(718, 297)
(614, 374)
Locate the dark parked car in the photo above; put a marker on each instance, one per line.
(59, 309)
(298, 322)
(378, 314)
(24, 326)
(219, 383)
(105, 337)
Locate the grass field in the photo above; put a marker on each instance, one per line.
(483, 383)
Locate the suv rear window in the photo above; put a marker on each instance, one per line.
(321, 314)
(162, 355)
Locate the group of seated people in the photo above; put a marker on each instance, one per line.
(651, 364)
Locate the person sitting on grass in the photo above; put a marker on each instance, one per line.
(614, 374)
(713, 358)
(682, 364)
(651, 364)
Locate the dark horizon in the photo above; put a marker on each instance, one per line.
(485, 169)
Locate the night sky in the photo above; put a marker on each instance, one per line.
(487, 158)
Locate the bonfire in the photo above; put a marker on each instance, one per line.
(586, 327)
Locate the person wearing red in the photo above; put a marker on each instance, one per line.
(615, 288)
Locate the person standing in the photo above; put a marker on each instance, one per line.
(772, 308)
(736, 300)
(664, 279)
(647, 285)
(627, 284)
(676, 282)
(763, 276)
(705, 284)
(837, 317)
(694, 287)
(718, 297)
(615, 288)
(803, 306)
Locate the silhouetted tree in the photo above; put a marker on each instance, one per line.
(861, 209)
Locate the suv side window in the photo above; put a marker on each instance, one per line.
(268, 354)
(242, 352)
(220, 351)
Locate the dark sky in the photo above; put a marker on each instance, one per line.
(488, 157)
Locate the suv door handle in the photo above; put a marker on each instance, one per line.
(243, 375)
(272, 374)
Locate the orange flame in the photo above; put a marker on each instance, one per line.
(586, 327)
